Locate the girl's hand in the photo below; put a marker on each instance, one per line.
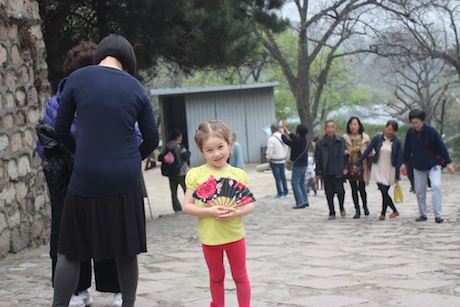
(227, 214)
(216, 211)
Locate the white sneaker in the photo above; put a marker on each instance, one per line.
(117, 300)
(82, 299)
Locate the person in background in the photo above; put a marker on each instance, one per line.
(57, 172)
(103, 216)
(356, 142)
(427, 149)
(299, 153)
(385, 164)
(310, 175)
(220, 229)
(318, 182)
(331, 166)
(276, 155)
(236, 153)
(410, 174)
(314, 141)
(175, 143)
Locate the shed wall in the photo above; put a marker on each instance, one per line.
(247, 112)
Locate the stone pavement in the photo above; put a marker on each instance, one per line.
(295, 257)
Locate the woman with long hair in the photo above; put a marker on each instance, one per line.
(356, 142)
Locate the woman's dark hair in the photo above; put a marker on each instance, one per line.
(302, 130)
(79, 56)
(393, 124)
(174, 134)
(361, 127)
(118, 47)
(418, 114)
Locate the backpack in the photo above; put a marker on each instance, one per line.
(170, 165)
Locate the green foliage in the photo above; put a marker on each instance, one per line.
(202, 78)
(338, 91)
(191, 33)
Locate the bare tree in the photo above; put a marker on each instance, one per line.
(418, 83)
(427, 28)
(323, 28)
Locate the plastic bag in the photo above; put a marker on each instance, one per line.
(398, 197)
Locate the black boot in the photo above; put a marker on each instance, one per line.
(366, 211)
(358, 212)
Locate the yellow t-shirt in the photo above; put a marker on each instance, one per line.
(210, 230)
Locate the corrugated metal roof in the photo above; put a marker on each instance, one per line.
(196, 90)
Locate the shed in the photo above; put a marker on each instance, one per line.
(247, 109)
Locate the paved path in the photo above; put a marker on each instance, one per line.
(295, 257)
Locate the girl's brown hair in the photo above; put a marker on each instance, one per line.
(212, 128)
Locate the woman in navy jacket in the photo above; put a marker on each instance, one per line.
(385, 163)
(103, 214)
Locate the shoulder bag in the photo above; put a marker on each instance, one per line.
(290, 163)
(355, 173)
(437, 157)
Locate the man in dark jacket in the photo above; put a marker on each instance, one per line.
(428, 151)
(331, 166)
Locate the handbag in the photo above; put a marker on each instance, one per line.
(438, 157)
(290, 163)
(355, 173)
(398, 196)
(441, 160)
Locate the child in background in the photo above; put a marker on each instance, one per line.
(310, 175)
(219, 228)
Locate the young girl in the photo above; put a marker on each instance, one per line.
(219, 228)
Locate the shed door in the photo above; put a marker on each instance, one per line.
(173, 117)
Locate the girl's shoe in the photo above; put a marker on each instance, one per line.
(394, 214)
(382, 217)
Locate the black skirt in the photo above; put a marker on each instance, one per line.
(102, 227)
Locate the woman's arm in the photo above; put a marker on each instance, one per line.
(367, 151)
(348, 145)
(287, 140)
(398, 158)
(63, 123)
(149, 130)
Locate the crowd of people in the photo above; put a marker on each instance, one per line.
(358, 159)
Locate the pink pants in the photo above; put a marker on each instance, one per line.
(236, 254)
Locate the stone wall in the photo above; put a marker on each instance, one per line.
(24, 211)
